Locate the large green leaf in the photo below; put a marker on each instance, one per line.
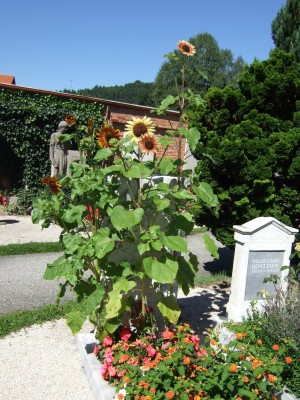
(75, 320)
(74, 214)
(103, 154)
(161, 204)
(205, 193)
(103, 242)
(114, 304)
(185, 275)
(123, 219)
(162, 271)
(61, 268)
(166, 166)
(169, 309)
(192, 136)
(176, 243)
(133, 172)
(93, 300)
(211, 246)
(182, 194)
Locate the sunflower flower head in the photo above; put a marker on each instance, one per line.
(107, 133)
(139, 127)
(52, 184)
(148, 144)
(70, 119)
(186, 48)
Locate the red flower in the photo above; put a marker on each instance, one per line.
(288, 360)
(96, 350)
(125, 334)
(275, 347)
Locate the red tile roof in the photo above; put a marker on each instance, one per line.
(7, 79)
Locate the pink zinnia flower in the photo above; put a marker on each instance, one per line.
(151, 351)
(107, 341)
(112, 371)
(167, 334)
(165, 345)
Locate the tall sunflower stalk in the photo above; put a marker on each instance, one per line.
(124, 236)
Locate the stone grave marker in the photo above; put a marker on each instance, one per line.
(263, 246)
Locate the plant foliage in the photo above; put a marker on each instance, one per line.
(26, 123)
(253, 135)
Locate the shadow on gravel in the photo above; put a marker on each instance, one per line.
(9, 221)
(201, 310)
(224, 263)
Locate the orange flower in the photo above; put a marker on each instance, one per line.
(275, 347)
(52, 184)
(107, 133)
(152, 390)
(148, 143)
(181, 328)
(126, 379)
(197, 397)
(213, 343)
(120, 396)
(272, 378)
(70, 119)
(239, 335)
(186, 360)
(123, 358)
(288, 360)
(259, 341)
(258, 377)
(233, 368)
(170, 394)
(256, 363)
(186, 48)
(245, 379)
(238, 398)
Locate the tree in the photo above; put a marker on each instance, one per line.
(286, 28)
(211, 66)
(252, 133)
(135, 93)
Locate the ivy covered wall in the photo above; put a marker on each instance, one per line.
(26, 123)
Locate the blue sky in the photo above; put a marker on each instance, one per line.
(72, 44)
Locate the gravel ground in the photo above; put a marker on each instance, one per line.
(42, 362)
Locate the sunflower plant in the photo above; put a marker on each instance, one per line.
(124, 227)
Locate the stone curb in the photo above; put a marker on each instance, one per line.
(100, 388)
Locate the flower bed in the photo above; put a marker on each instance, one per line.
(174, 365)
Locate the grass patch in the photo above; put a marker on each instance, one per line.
(200, 229)
(13, 322)
(212, 279)
(29, 248)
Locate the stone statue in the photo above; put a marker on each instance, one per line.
(58, 151)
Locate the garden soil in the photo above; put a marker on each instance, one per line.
(42, 362)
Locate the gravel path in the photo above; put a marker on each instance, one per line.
(42, 362)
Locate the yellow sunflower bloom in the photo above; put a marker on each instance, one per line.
(186, 48)
(139, 127)
(107, 133)
(52, 184)
(148, 144)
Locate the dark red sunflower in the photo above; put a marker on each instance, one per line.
(52, 183)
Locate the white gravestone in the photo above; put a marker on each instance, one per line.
(263, 246)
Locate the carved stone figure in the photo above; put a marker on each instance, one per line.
(58, 151)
